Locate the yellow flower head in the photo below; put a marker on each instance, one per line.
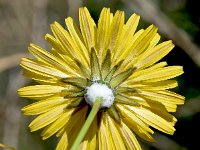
(110, 61)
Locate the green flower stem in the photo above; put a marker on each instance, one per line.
(88, 122)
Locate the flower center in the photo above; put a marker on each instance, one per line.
(99, 90)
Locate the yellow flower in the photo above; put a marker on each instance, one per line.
(110, 61)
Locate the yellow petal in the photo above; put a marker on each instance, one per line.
(88, 27)
(49, 59)
(67, 42)
(115, 31)
(44, 105)
(140, 72)
(158, 105)
(115, 134)
(140, 45)
(123, 54)
(63, 143)
(57, 125)
(55, 43)
(42, 69)
(125, 40)
(135, 123)
(129, 138)
(103, 32)
(152, 86)
(39, 91)
(41, 79)
(153, 55)
(47, 118)
(73, 126)
(163, 96)
(79, 120)
(164, 114)
(77, 37)
(153, 119)
(153, 42)
(159, 74)
(144, 40)
(105, 141)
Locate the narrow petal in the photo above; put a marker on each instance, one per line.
(39, 91)
(153, 55)
(67, 42)
(44, 105)
(88, 27)
(113, 112)
(105, 141)
(49, 59)
(140, 72)
(41, 79)
(77, 37)
(55, 44)
(125, 40)
(164, 96)
(153, 120)
(47, 118)
(41, 69)
(136, 124)
(73, 126)
(115, 31)
(158, 105)
(63, 143)
(153, 86)
(129, 138)
(159, 74)
(115, 134)
(103, 32)
(57, 125)
(153, 42)
(139, 45)
(123, 54)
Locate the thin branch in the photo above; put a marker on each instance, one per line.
(10, 61)
(164, 143)
(190, 108)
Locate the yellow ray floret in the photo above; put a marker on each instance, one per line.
(101, 85)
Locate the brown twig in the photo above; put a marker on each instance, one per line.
(10, 61)
(190, 108)
(6, 146)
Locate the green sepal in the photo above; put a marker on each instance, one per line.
(75, 103)
(95, 67)
(75, 94)
(105, 68)
(72, 89)
(121, 77)
(112, 71)
(113, 112)
(119, 98)
(76, 81)
(83, 69)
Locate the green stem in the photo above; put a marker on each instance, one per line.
(88, 122)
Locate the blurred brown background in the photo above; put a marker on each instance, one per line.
(25, 21)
